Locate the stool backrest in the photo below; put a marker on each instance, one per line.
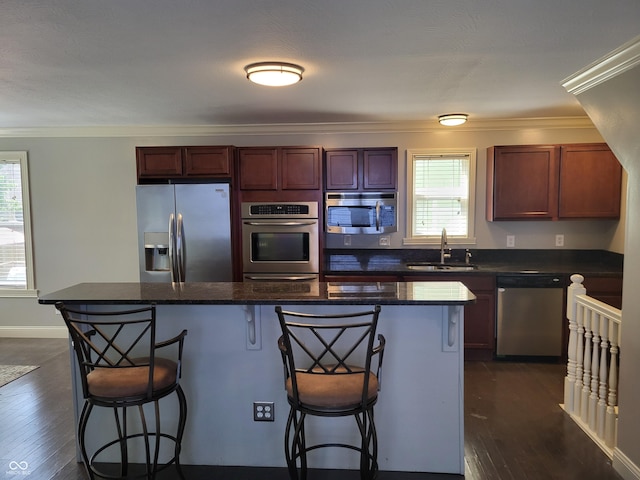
(333, 344)
(112, 339)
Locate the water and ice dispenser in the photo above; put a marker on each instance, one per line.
(156, 251)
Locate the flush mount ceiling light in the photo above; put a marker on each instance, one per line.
(274, 74)
(452, 119)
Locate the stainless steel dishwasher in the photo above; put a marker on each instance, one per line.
(530, 319)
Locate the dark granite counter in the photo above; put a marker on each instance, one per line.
(503, 262)
(265, 293)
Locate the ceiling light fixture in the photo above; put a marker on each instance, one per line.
(274, 74)
(453, 119)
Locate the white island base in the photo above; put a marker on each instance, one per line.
(419, 414)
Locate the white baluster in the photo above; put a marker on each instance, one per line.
(586, 375)
(577, 396)
(612, 399)
(575, 288)
(595, 371)
(602, 387)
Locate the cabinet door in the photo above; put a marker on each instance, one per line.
(380, 169)
(159, 161)
(479, 323)
(207, 161)
(258, 168)
(590, 182)
(341, 170)
(522, 182)
(605, 289)
(300, 168)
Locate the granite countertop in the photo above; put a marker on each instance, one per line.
(499, 262)
(265, 293)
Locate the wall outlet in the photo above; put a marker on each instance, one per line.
(263, 412)
(384, 241)
(511, 241)
(559, 240)
(347, 239)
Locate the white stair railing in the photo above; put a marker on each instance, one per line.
(591, 384)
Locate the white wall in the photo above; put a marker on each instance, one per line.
(84, 216)
(615, 108)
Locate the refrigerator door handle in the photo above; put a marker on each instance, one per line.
(180, 248)
(172, 248)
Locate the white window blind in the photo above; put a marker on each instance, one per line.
(441, 194)
(15, 231)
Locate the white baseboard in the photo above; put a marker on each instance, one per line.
(624, 466)
(34, 332)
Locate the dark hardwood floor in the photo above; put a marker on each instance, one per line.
(514, 428)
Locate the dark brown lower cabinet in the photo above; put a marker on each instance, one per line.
(479, 317)
(605, 289)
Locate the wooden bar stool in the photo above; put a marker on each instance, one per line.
(119, 369)
(329, 373)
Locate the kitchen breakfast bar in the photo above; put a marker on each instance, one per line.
(231, 360)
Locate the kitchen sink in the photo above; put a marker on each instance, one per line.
(441, 267)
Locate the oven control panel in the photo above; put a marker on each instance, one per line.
(290, 210)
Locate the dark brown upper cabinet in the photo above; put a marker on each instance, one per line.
(551, 182)
(522, 182)
(167, 163)
(361, 169)
(590, 182)
(279, 168)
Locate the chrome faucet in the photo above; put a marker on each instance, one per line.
(444, 246)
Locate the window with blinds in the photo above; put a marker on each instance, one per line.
(15, 229)
(441, 195)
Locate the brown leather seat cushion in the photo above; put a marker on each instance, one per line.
(131, 381)
(332, 390)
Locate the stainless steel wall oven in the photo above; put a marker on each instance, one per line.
(280, 241)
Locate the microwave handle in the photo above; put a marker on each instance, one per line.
(378, 216)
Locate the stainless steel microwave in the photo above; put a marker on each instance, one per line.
(361, 212)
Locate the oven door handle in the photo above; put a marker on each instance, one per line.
(281, 224)
(294, 278)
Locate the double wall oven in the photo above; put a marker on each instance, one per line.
(280, 241)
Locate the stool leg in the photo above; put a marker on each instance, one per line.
(294, 445)
(182, 401)
(156, 452)
(368, 444)
(82, 428)
(147, 449)
(302, 446)
(374, 444)
(121, 426)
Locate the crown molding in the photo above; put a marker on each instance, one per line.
(619, 61)
(423, 126)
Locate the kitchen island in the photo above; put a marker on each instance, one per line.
(231, 360)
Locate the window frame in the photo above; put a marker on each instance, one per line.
(29, 290)
(412, 155)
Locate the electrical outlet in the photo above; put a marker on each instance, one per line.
(347, 239)
(263, 412)
(559, 240)
(511, 241)
(384, 241)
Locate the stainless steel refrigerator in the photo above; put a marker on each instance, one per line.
(184, 232)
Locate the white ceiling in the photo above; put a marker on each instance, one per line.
(180, 62)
